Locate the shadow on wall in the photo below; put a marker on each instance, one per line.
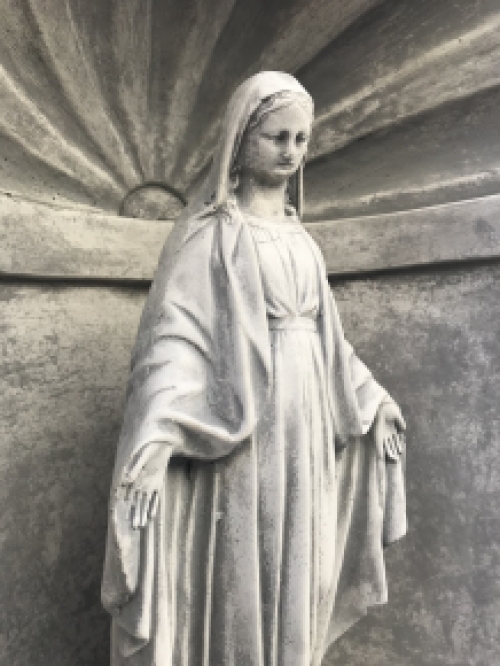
(65, 356)
(432, 340)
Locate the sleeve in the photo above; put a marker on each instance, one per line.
(201, 373)
(369, 394)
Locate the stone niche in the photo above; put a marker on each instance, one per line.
(109, 112)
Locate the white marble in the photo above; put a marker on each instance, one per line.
(259, 468)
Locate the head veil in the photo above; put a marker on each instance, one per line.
(201, 373)
(201, 365)
(243, 105)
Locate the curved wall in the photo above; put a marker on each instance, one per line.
(402, 189)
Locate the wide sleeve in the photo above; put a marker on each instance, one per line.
(200, 374)
(200, 367)
(391, 475)
(368, 392)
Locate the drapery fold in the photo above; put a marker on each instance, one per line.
(201, 376)
(252, 417)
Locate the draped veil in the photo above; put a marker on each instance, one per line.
(200, 378)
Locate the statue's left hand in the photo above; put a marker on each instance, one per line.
(389, 430)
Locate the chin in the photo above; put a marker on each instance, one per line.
(283, 173)
(277, 176)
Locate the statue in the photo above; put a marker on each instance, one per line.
(259, 468)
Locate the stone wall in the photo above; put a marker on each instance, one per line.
(429, 332)
(432, 339)
(402, 186)
(64, 362)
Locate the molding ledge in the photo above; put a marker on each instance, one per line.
(464, 231)
(39, 241)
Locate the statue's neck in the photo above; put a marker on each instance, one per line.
(260, 199)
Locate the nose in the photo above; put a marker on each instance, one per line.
(289, 150)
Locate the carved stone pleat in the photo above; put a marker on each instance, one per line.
(98, 98)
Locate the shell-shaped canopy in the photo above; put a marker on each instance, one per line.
(101, 96)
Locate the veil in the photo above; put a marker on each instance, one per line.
(201, 374)
(245, 102)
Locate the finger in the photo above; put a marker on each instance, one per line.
(395, 454)
(396, 445)
(153, 507)
(391, 453)
(388, 455)
(128, 491)
(144, 508)
(136, 511)
(134, 517)
(399, 443)
(400, 422)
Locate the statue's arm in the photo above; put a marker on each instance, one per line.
(388, 424)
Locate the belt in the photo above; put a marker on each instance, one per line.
(300, 323)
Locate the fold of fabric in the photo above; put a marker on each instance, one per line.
(200, 378)
(268, 542)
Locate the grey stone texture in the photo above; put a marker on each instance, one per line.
(61, 404)
(442, 327)
(64, 354)
(407, 106)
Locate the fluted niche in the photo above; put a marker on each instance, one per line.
(109, 111)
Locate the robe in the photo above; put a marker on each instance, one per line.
(275, 508)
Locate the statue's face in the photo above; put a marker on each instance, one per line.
(273, 150)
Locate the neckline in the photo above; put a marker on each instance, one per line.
(287, 222)
(284, 225)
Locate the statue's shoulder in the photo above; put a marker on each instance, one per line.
(194, 237)
(198, 228)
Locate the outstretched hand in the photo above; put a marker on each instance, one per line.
(389, 431)
(142, 492)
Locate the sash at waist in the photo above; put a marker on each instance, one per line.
(298, 322)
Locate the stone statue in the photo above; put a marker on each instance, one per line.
(259, 468)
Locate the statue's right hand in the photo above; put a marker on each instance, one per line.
(142, 492)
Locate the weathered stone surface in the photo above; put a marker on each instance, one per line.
(409, 117)
(61, 407)
(99, 98)
(37, 240)
(455, 232)
(40, 241)
(432, 340)
(400, 59)
(98, 101)
(152, 201)
(446, 154)
(64, 356)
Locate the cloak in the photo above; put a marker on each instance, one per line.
(200, 380)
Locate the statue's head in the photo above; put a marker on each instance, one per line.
(275, 140)
(264, 133)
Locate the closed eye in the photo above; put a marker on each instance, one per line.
(280, 137)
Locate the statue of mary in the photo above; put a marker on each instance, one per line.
(259, 471)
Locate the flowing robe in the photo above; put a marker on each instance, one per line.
(268, 543)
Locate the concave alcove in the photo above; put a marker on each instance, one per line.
(109, 111)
